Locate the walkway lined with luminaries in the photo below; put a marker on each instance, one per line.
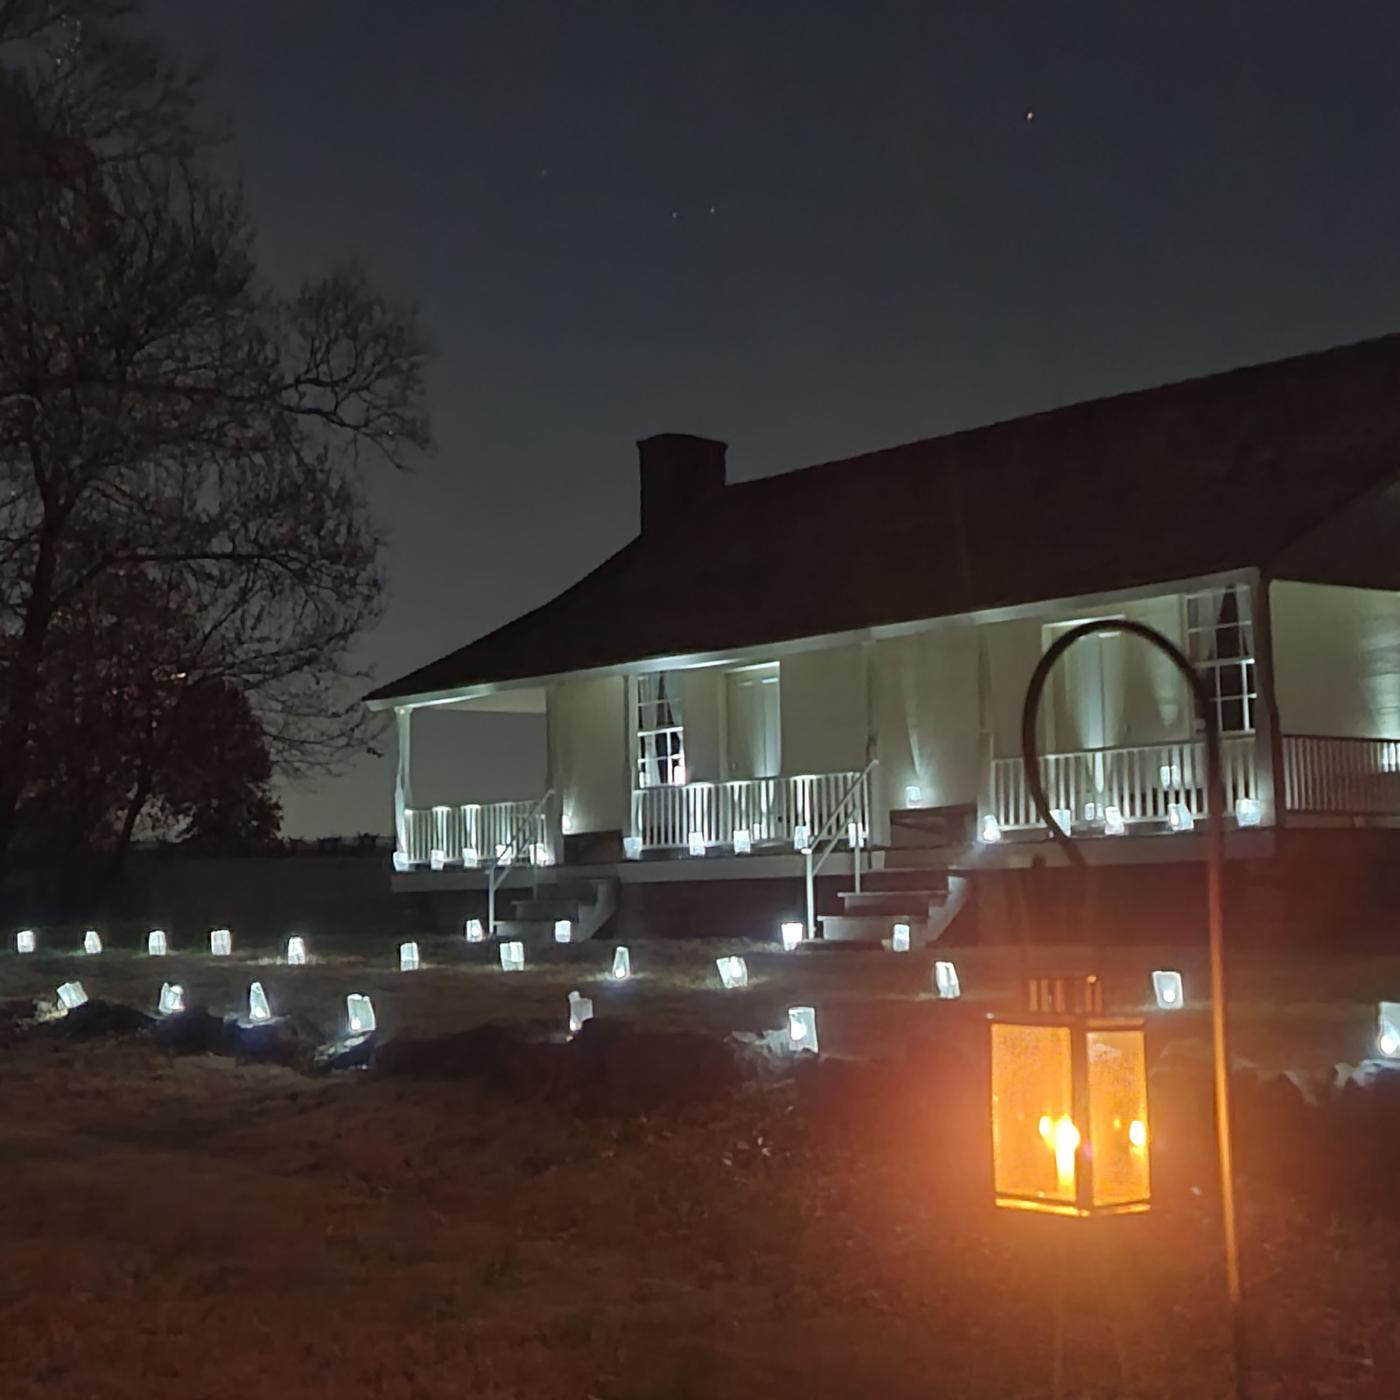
(635, 980)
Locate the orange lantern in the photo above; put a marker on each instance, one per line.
(1070, 1129)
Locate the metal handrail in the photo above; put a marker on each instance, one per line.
(500, 865)
(839, 811)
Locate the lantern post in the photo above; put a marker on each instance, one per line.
(1215, 864)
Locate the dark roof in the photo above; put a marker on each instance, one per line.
(1195, 478)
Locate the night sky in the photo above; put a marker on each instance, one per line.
(808, 228)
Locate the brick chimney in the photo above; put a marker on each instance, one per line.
(680, 473)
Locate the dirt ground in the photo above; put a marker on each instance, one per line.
(199, 1228)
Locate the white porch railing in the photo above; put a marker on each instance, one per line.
(665, 817)
(483, 827)
(1142, 782)
(1355, 777)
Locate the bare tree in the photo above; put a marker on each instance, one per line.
(170, 426)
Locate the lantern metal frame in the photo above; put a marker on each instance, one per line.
(1082, 1203)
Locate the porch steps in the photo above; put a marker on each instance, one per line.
(928, 901)
(531, 914)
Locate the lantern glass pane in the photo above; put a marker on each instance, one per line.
(1117, 1101)
(155, 943)
(92, 941)
(899, 938)
(408, 957)
(1033, 1131)
(296, 951)
(513, 957)
(622, 964)
(475, 932)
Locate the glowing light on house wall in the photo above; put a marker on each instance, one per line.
(156, 945)
(25, 942)
(296, 951)
(475, 931)
(899, 938)
(733, 972)
(563, 931)
(359, 1014)
(792, 935)
(990, 831)
(92, 942)
(1168, 989)
(632, 847)
(72, 995)
(580, 1010)
(622, 964)
(172, 999)
(408, 957)
(258, 1008)
(513, 957)
(743, 841)
(802, 1028)
(1388, 1030)
(1113, 824)
(945, 981)
(220, 942)
(913, 795)
(1248, 811)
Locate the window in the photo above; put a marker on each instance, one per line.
(1220, 645)
(660, 733)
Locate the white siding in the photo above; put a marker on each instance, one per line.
(825, 728)
(926, 707)
(588, 738)
(1336, 660)
(1105, 693)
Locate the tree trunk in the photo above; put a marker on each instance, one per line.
(24, 688)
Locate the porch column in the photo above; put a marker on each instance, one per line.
(1268, 737)
(403, 777)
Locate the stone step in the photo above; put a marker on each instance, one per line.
(871, 928)
(535, 910)
(894, 903)
(537, 933)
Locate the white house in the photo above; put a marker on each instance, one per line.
(776, 668)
